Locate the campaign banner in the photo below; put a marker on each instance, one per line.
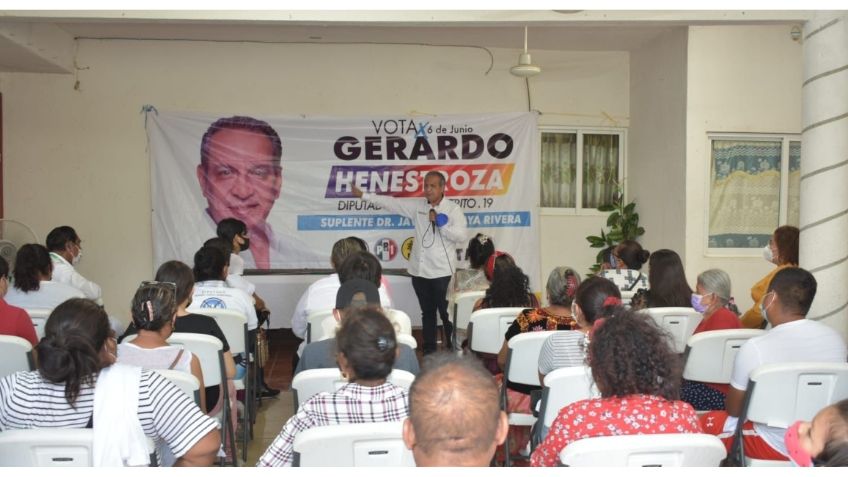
(291, 180)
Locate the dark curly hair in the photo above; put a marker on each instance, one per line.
(480, 248)
(629, 354)
(510, 288)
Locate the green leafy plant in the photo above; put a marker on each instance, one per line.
(622, 224)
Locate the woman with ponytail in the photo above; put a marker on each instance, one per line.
(367, 349)
(78, 385)
(638, 376)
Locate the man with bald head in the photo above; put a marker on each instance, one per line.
(454, 414)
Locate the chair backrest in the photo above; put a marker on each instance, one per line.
(46, 448)
(399, 318)
(463, 305)
(16, 355)
(645, 450)
(408, 340)
(709, 356)
(488, 327)
(320, 325)
(306, 384)
(209, 351)
(39, 319)
(378, 444)
(564, 386)
(234, 326)
(185, 381)
(522, 359)
(680, 323)
(804, 389)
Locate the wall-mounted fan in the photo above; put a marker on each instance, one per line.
(14, 234)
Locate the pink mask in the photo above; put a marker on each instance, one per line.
(793, 445)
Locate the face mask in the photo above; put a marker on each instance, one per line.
(793, 445)
(246, 244)
(767, 254)
(763, 308)
(77, 258)
(696, 303)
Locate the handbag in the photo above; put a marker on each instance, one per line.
(261, 348)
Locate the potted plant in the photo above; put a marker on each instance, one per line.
(622, 224)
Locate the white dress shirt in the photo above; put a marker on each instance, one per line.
(64, 272)
(49, 295)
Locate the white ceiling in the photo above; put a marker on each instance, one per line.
(548, 29)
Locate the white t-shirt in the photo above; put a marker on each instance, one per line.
(321, 295)
(235, 278)
(216, 294)
(793, 342)
(49, 295)
(155, 358)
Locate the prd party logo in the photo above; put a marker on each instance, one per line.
(385, 249)
(406, 247)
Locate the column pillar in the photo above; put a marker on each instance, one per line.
(824, 165)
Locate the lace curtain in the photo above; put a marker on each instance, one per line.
(559, 169)
(600, 169)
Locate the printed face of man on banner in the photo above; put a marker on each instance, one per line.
(239, 172)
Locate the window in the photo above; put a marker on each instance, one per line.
(754, 187)
(580, 168)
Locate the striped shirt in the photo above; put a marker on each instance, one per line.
(561, 350)
(351, 404)
(166, 413)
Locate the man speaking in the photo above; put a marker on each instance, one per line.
(439, 226)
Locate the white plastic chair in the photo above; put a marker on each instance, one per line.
(46, 448)
(522, 367)
(210, 352)
(407, 339)
(16, 355)
(803, 390)
(562, 387)
(487, 327)
(645, 450)
(320, 325)
(39, 319)
(400, 320)
(378, 444)
(234, 326)
(709, 356)
(185, 381)
(680, 323)
(306, 384)
(463, 305)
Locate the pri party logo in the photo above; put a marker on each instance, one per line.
(385, 249)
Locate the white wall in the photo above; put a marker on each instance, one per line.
(656, 169)
(78, 156)
(740, 79)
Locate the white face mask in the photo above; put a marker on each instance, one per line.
(77, 258)
(767, 254)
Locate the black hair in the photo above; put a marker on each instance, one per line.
(796, 288)
(228, 229)
(510, 288)
(69, 353)
(480, 248)
(179, 273)
(591, 295)
(668, 281)
(344, 248)
(632, 254)
(243, 123)
(835, 452)
(362, 265)
(4, 268)
(31, 263)
(153, 306)
(226, 246)
(367, 339)
(209, 263)
(629, 354)
(59, 237)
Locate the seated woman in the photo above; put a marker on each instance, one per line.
(510, 287)
(179, 273)
(593, 299)
(638, 376)
(367, 349)
(667, 280)
(32, 287)
(77, 385)
(823, 442)
(625, 264)
(713, 300)
(782, 250)
(14, 321)
(561, 288)
(153, 313)
(480, 248)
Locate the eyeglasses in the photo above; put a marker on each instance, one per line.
(155, 284)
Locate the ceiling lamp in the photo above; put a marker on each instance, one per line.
(525, 67)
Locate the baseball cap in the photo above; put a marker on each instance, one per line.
(349, 289)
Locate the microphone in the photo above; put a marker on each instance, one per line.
(433, 217)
